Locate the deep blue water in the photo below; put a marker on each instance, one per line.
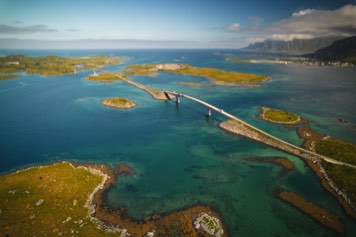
(181, 158)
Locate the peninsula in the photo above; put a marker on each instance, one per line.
(44, 201)
(118, 103)
(52, 65)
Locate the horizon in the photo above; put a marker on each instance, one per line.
(159, 24)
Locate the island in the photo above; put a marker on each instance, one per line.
(279, 116)
(45, 201)
(216, 75)
(319, 214)
(118, 103)
(53, 65)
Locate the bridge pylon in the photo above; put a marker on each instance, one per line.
(177, 100)
(208, 114)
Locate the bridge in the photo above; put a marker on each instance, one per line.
(247, 130)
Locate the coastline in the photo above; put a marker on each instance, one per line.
(106, 219)
(236, 127)
(157, 223)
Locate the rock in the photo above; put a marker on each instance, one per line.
(75, 202)
(32, 216)
(12, 191)
(39, 202)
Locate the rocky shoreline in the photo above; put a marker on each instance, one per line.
(238, 128)
(160, 225)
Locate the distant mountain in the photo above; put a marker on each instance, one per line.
(341, 50)
(296, 46)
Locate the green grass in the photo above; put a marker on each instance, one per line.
(64, 191)
(344, 178)
(279, 116)
(337, 149)
(119, 102)
(221, 76)
(209, 73)
(52, 65)
(104, 77)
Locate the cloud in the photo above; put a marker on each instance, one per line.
(303, 12)
(7, 29)
(316, 23)
(72, 30)
(234, 27)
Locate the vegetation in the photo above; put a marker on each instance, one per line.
(337, 149)
(278, 116)
(209, 73)
(118, 102)
(240, 60)
(48, 201)
(105, 77)
(344, 178)
(52, 65)
(221, 76)
(8, 76)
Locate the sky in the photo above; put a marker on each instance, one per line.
(36, 24)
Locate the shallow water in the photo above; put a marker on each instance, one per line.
(181, 158)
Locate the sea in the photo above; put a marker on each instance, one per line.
(180, 157)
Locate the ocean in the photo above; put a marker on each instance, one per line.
(180, 157)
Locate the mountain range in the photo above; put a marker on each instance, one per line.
(296, 46)
(343, 50)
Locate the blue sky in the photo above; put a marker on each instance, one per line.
(168, 23)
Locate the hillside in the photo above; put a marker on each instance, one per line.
(342, 50)
(296, 46)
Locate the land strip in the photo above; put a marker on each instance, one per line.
(317, 213)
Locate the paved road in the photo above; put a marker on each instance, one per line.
(300, 151)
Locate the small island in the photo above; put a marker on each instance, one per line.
(214, 74)
(118, 103)
(279, 116)
(53, 65)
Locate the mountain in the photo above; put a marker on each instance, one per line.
(341, 50)
(296, 46)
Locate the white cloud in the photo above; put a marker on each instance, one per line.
(303, 12)
(310, 23)
(234, 27)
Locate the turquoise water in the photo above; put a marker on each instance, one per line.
(181, 158)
